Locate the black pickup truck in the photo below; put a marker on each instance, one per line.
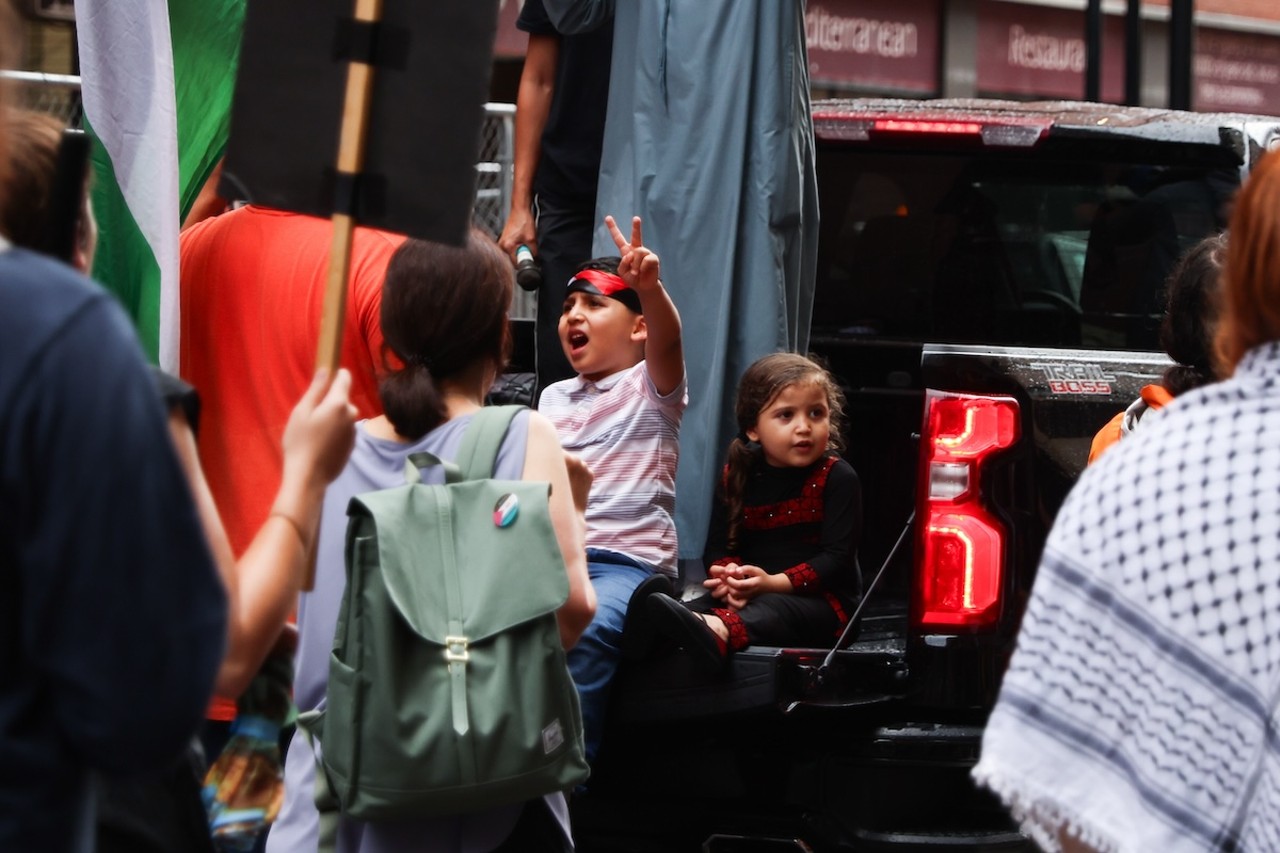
(989, 290)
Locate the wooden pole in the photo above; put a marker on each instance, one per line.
(351, 147)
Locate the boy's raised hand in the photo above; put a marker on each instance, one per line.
(639, 266)
(638, 269)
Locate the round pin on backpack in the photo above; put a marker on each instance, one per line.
(506, 510)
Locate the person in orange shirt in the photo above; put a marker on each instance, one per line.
(252, 287)
(1186, 333)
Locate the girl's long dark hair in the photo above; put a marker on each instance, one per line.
(444, 310)
(760, 385)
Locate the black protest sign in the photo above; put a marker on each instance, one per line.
(431, 63)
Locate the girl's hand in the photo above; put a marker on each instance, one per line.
(750, 581)
(715, 582)
(639, 266)
(321, 429)
(716, 587)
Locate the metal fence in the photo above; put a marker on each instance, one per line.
(59, 95)
(56, 94)
(493, 187)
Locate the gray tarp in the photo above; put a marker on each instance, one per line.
(710, 140)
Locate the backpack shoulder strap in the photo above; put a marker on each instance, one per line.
(478, 451)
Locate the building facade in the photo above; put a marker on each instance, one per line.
(1023, 49)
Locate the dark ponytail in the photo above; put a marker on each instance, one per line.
(444, 312)
(411, 401)
(743, 455)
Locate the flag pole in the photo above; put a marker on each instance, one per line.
(351, 149)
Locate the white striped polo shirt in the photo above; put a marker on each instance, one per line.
(629, 436)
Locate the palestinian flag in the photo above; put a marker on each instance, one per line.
(156, 83)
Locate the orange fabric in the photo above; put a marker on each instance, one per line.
(1155, 397)
(253, 285)
(1106, 437)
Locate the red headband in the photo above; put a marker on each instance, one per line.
(605, 284)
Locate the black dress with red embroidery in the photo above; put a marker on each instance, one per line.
(804, 523)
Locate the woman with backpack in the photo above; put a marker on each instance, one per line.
(444, 317)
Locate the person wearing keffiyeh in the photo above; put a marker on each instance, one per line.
(1139, 710)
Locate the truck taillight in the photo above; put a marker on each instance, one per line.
(961, 128)
(961, 554)
(861, 126)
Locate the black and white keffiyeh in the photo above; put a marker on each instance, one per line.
(1139, 709)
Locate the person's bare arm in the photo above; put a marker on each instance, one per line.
(545, 461)
(184, 442)
(533, 105)
(262, 586)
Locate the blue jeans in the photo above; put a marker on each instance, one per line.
(594, 660)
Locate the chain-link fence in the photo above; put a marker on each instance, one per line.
(493, 185)
(493, 188)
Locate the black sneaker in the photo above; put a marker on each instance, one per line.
(672, 619)
(637, 628)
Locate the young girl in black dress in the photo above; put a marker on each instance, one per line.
(781, 567)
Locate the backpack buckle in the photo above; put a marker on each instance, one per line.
(455, 650)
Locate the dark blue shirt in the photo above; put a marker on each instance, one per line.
(112, 616)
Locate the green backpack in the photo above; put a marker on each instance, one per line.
(448, 688)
